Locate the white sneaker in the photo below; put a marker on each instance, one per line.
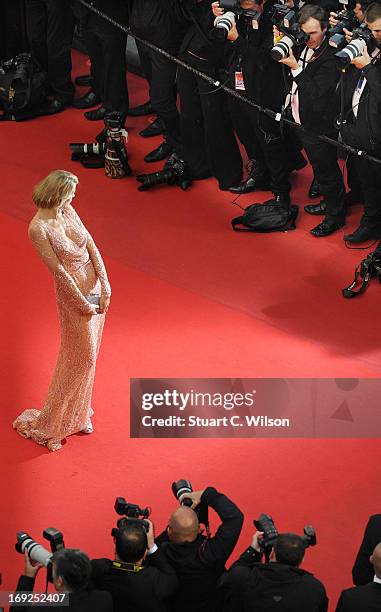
(88, 428)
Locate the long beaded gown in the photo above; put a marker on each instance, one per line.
(78, 271)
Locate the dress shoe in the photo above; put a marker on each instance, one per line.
(84, 80)
(316, 209)
(362, 234)
(258, 178)
(314, 190)
(252, 183)
(96, 115)
(53, 106)
(325, 228)
(162, 152)
(88, 428)
(142, 110)
(153, 129)
(87, 101)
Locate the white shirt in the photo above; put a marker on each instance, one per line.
(293, 96)
(375, 579)
(359, 89)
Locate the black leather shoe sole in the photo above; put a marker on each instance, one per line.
(162, 152)
(154, 129)
(87, 101)
(325, 229)
(316, 209)
(95, 115)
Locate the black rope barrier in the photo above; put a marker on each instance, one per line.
(221, 86)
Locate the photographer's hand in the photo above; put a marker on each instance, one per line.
(255, 543)
(333, 19)
(195, 496)
(362, 61)
(290, 61)
(348, 35)
(217, 11)
(31, 567)
(233, 33)
(150, 535)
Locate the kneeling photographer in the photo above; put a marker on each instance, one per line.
(199, 560)
(67, 569)
(279, 583)
(312, 103)
(361, 125)
(139, 577)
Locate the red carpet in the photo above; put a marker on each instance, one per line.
(190, 299)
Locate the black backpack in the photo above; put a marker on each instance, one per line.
(23, 88)
(266, 218)
(369, 268)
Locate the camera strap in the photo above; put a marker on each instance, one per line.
(355, 288)
(127, 567)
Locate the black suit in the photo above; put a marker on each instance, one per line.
(362, 571)
(318, 110)
(147, 590)
(251, 586)
(80, 601)
(200, 563)
(106, 46)
(365, 598)
(50, 26)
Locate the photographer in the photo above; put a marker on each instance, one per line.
(363, 571)
(263, 83)
(106, 46)
(71, 572)
(139, 578)
(208, 142)
(367, 597)
(160, 22)
(312, 101)
(362, 128)
(254, 586)
(198, 560)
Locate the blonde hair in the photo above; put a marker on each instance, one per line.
(54, 188)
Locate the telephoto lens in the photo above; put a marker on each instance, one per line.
(354, 49)
(282, 48)
(223, 24)
(92, 148)
(181, 487)
(35, 551)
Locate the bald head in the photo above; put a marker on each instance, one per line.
(375, 560)
(183, 525)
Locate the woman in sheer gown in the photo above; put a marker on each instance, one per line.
(68, 250)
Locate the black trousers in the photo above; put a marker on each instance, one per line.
(50, 26)
(370, 178)
(323, 159)
(106, 46)
(208, 140)
(161, 76)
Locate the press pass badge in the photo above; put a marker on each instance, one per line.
(239, 82)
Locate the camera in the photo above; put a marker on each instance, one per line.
(346, 19)
(183, 486)
(362, 38)
(291, 33)
(175, 172)
(266, 524)
(234, 6)
(79, 149)
(36, 551)
(131, 513)
(223, 24)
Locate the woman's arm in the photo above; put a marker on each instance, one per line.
(95, 255)
(41, 243)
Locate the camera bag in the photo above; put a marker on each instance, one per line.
(266, 218)
(369, 268)
(23, 88)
